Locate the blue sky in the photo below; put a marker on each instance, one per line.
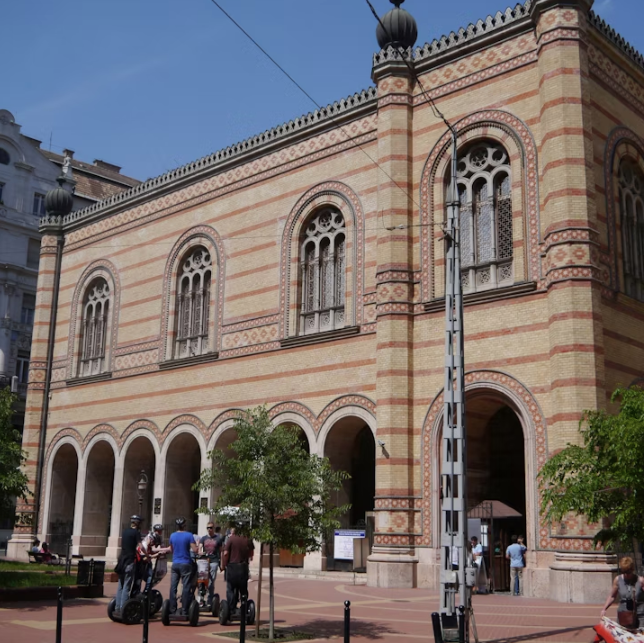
(153, 84)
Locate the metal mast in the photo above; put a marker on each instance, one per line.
(453, 458)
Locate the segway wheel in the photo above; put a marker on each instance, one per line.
(215, 605)
(165, 612)
(193, 614)
(111, 606)
(250, 612)
(132, 611)
(156, 601)
(224, 613)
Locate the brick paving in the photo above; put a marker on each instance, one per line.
(316, 606)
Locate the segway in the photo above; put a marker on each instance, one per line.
(227, 615)
(203, 583)
(191, 617)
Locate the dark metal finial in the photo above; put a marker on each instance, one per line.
(397, 3)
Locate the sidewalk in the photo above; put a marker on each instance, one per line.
(314, 606)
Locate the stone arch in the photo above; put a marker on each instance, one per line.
(184, 420)
(622, 143)
(519, 398)
(516, 136)
(295, 408)
(142, 427)
(208, 237)
(106, 432)
(350, 405)
(297, 419)
(19, 155)
(99, 268)
(220, 425)
(347, 201)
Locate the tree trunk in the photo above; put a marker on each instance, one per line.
(259, 590)
(271, 604)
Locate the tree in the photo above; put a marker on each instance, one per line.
(13, 481)
(284, 492)
(602, 479)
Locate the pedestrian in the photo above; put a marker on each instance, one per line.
(628, 586)
(182, 544)
(515, 554)
(150, 549)
(238, 552)
(210, 545)
(126, 564)
(479, 565)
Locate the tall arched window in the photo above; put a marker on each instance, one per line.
(323, 269)
(193, 303)
(484, 187)
(5, 159)
(96, 310)
(631, 205)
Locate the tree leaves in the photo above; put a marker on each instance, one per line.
(13, 481)
(603, 478)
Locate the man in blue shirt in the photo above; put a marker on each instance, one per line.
(515, 553)
(181, 543)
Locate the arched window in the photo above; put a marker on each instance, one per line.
(96, 310)
(484, 187)
(5, 159)
(631, 206)
(323, 267)
(193, 303)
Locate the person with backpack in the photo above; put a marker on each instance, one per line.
(127, 561)
(210, 545)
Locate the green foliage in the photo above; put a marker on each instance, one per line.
(603, 478)
(13, 481)
(11, 580)
(284, 491)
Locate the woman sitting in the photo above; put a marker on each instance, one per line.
(46, 555)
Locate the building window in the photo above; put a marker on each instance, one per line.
(33, 253)
(193, 304)
(1, 190)
(323, 268)
(39, 204)
(22, 367)
(485, 193)
(96, 308)
(5, 159)
(631, 187)
(28, 307)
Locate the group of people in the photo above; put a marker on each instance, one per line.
(231, 553)
(43, 551)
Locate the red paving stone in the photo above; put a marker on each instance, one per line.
(384, 616)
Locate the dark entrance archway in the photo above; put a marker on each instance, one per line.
(64, 475)
(139, 458)
(183, 466)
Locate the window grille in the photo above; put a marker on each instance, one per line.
(323, 267)
(485, 195)
(631, 187)
(193, 304)
(96, 309)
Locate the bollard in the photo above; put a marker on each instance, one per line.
(242, 625)
(347, 621)
(461, 623)
(59, 617)
(438, 628)
(146, 613)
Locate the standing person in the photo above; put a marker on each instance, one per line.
(151, 547)
(126, 565)
(629, 587)
(211, 544)
(182, 544)
(238, 552)
(479, 564)
(515, 553)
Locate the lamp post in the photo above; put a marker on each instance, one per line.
(141, 488)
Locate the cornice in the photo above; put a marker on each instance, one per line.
(603, 28)
(350, 108)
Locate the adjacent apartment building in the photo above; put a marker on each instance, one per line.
(304, 269)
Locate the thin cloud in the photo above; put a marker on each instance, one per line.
(604, 6)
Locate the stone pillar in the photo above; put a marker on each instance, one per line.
(114, 539)
(393, 561)
(571, 245)
(79, 506)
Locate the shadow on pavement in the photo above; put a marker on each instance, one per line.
(42, 605)
(329, 629)
(538, 635)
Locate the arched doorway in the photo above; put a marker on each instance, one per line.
(97, 508)
(139, 458)
(350, 447)
(183, 467)
(62, 490)
(496, 479)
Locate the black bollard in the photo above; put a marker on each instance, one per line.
(347, 621)
(438, 628)
(242, 625)
(59, 617)
(146, 613)
(461, 623)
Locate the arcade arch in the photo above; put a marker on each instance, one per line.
(62, 497)
(139, 458)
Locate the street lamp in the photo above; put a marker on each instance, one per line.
(141, 488)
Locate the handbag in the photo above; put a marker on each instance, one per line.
(628, 618)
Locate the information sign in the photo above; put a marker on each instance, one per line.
(343, 542)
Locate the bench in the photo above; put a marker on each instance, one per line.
(35, 558)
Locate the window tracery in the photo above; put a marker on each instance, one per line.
(631, 203)
(96, 311)
(323, 268)
(485, 194)
(193, 304)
